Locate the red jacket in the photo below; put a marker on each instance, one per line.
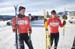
(23, 24)
(54, 24)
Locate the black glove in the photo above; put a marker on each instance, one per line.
(46, 29)
(64, 22)
(30, 31)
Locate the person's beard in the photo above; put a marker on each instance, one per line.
(21, 16)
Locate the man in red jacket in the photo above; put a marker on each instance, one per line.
(23, 27)
(54, 23)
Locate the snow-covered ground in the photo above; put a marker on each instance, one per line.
(3, 23)
(7, 37)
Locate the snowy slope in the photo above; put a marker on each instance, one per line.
(7, 37)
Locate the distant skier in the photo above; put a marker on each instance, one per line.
(54, 22)
(23, 27)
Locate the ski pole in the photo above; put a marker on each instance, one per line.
(64, 30)
(45, 30)
(48, 46)
(16, 35)
(29, 37)
(64, 19)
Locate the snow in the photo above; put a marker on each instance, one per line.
(2, 23)
(7, 37)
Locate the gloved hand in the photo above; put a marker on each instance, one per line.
(64, 22)
(14, 30)
(30, 31)
(46, 29)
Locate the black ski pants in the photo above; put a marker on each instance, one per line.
(25, 38)
(54, 37)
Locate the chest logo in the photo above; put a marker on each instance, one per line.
(22, 22)
(54, 24)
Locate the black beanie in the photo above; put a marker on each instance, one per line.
(53, 12)
(21, 7)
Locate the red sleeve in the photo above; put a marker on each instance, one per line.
(13, 24)
(29, 25)
(60, 23)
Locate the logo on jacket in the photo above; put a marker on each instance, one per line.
(22, 22)
(54, 24)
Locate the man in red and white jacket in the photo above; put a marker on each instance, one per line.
(54, 23)
(23, 27)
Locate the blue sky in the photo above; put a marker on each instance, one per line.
(36, 6)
